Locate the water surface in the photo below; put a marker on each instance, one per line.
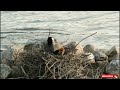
(19, 26)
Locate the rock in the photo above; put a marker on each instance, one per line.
(5, 71)
(113, 54)
(88, 57)
(71, 48)
(48, 45)
(89, 48)
(113, 67)
(113, 51)
(16, 72)
(104, 51)
(100, 56)
(33, 43)
(10, 54)
(101, 64)
(17, 49)
(6, 55)
(115, 57)
(6, 52)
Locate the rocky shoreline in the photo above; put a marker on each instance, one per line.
(12, 58)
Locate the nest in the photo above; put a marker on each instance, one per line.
(38, 64)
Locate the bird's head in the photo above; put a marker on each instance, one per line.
(50, 40)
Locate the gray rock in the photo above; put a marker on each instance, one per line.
(113, 54)
(102, 64)
(100, 56)
(89, 48)
(71, 48)
(34, 43)
(43, 44)
(113, 67)
(88, 57)
(5, 71)
(6, 55)
(114, 57)
(16, 72)
(104, 51)
(113, 51)
(6, 52)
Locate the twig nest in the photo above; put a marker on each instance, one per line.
(71, 48)
(100, 56)
(88, 57)
(113, 67)
(113, 53)
(4, 71)
(89, 48)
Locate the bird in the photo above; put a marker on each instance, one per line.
(55, 47)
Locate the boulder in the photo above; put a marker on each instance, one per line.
(104, 51)
(100, 56)
(17, 49)
(71, 48)
(113, 67)
(115, 57)
(113, 54)
(88, 57)
(6, 53)
(10, 54)
(42, 44)
(89, 48)
(16, 72)
(113, 51)
(4, 71)
(102, 64)
(34, 43)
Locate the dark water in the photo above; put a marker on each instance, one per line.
(19, 26)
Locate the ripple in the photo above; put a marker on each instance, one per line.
(2, 37)
(22, 26)
(59, 20)
(29, 29)
(11, 32)
(60, 33)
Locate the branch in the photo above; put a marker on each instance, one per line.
(65, 40)
(24, 72)
(85, 38)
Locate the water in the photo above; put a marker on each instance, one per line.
(19, 26)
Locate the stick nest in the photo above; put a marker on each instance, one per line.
(37, 64)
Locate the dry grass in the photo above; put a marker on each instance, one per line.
(37, 64)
